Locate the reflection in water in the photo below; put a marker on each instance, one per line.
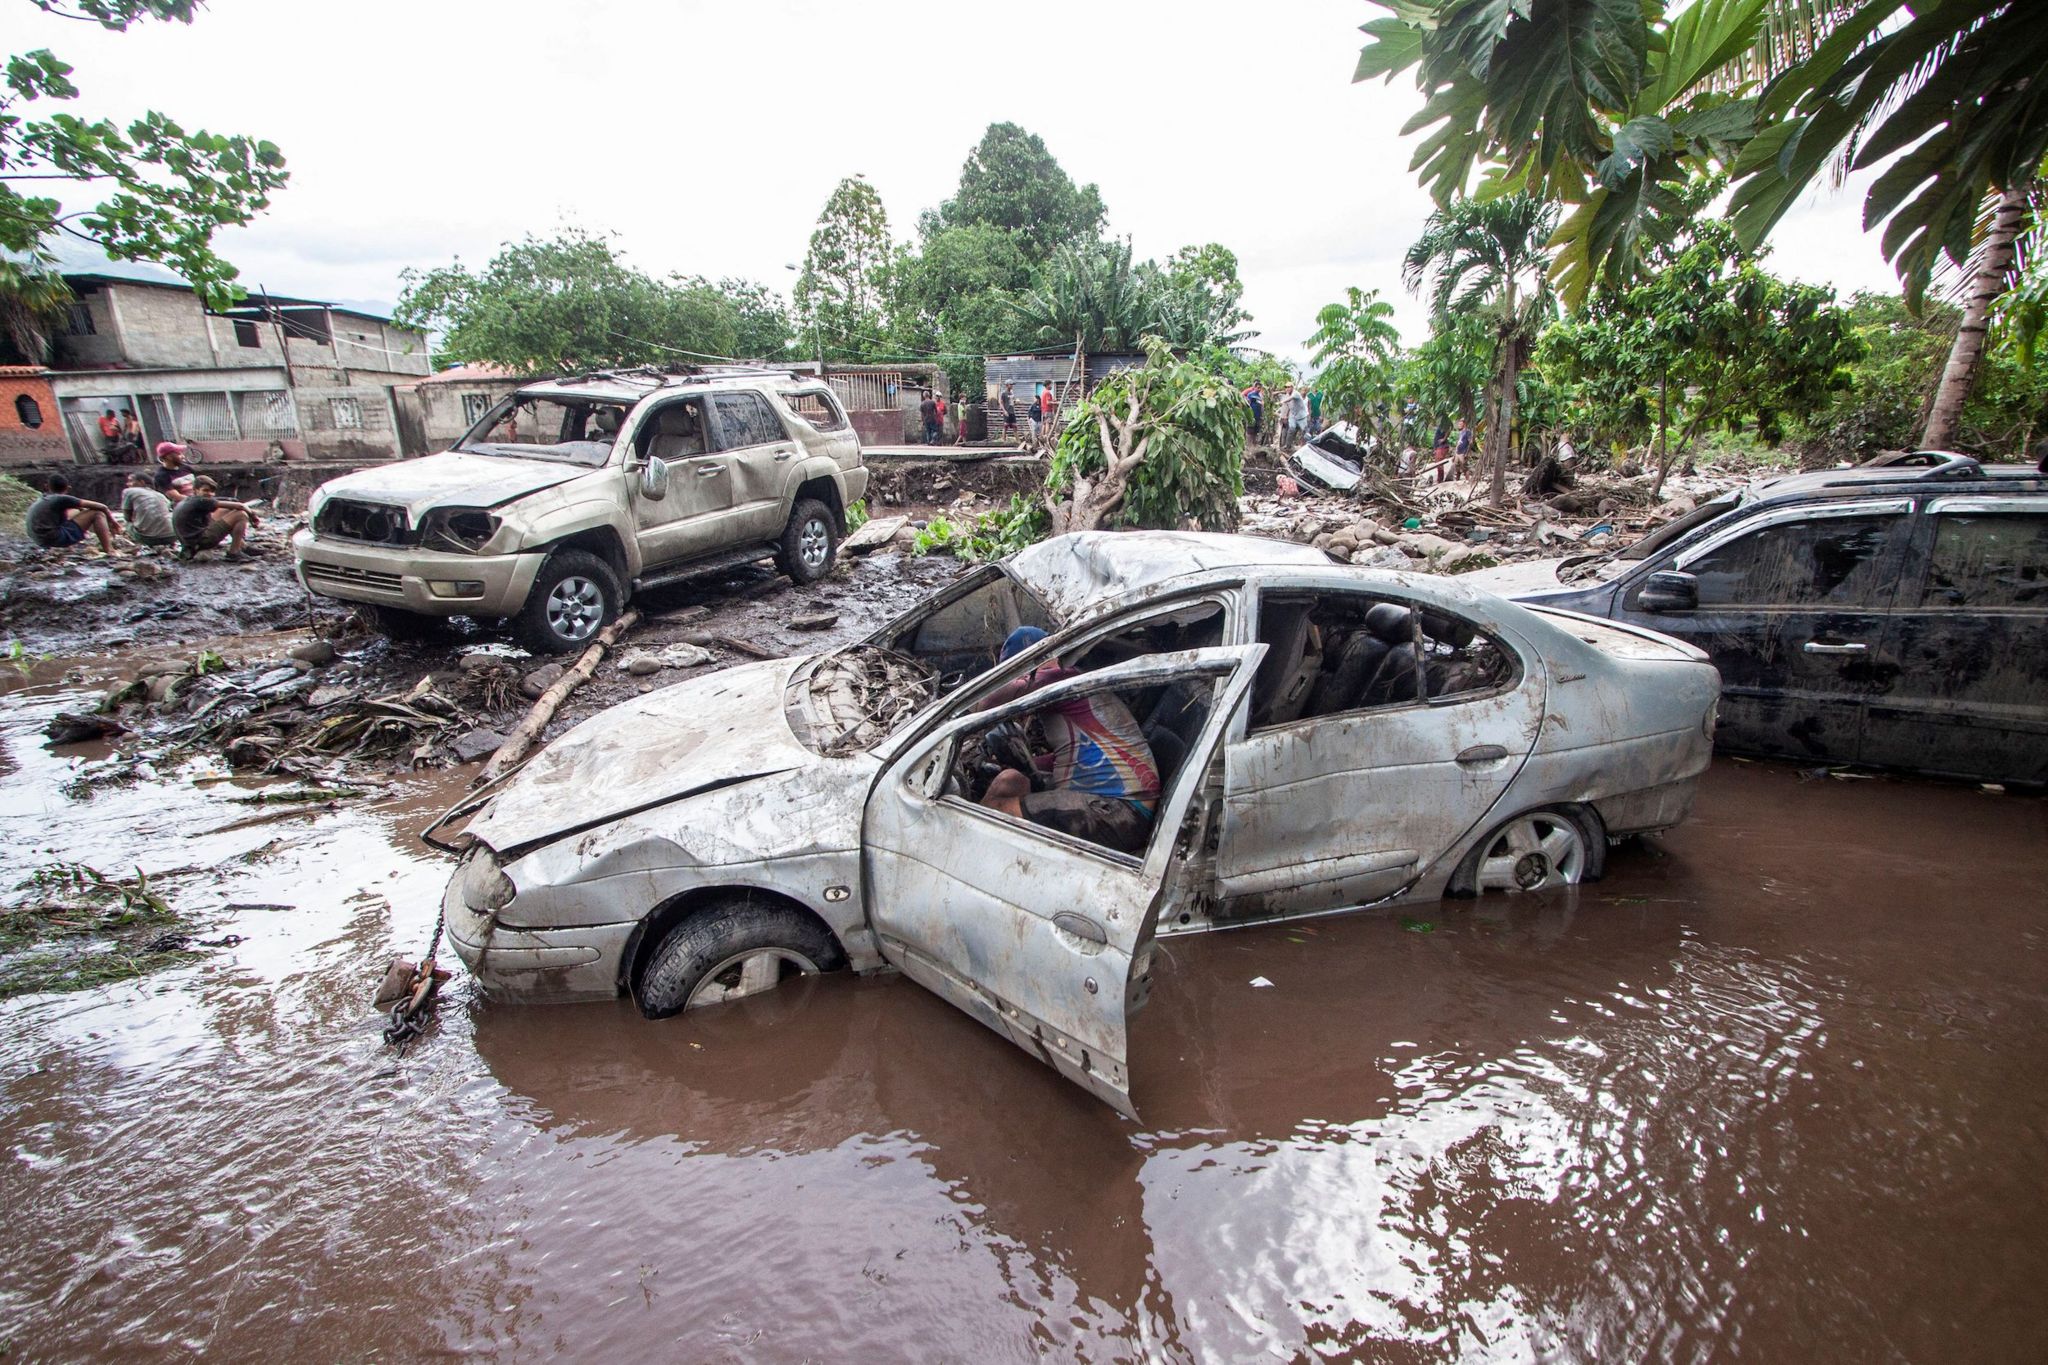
(1736, 1100)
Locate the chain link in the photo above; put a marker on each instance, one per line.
(408, 1018)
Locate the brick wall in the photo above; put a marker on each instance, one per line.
(22, 397)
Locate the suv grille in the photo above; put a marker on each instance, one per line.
(374, 522)
(345, 576)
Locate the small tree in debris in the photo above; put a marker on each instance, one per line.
(1159, 446)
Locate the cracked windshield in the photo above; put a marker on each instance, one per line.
(1430, 748)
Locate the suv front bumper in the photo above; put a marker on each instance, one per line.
(426, 581)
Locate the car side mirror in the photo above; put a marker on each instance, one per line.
(1669, 592)
(654, 479)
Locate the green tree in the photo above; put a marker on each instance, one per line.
(1613, 105)
(1709, 337)
(1198, 298)
(1010, 181)
(566, 303)
(1487, 258)
(843, 285)
(1448, 372)
(1160, 445)
(1092, 297)
(1356, 351)
(762, 329)
(167, 190)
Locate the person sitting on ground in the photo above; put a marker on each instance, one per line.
(147, 513)
(1105, 781)
(204, 520)
(57, 519)
(170, 465)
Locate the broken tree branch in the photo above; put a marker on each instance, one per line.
(522, 739)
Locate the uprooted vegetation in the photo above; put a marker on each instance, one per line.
(72, 927)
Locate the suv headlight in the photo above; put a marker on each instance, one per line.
(461, 530)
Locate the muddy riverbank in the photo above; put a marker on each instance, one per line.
(1776, 1089)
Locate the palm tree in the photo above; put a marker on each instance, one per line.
(1093, 297)
(32, 298)
(1356, 351)
(1611, 107)
(1490, 258)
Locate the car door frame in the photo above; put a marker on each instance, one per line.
(686, 530)
(1899, 707)
(1745, 708)
(1294, 882)
(978, 907)
(755, 468)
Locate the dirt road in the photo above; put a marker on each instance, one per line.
(1776, 1089)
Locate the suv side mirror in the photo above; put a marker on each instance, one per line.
(1668, 592)
(654, 479)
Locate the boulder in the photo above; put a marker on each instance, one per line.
(815, 620)
(541, 679)
(473, 745)
(317, 653)
(641, 665)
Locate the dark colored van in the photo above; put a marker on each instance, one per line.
(1893, 616)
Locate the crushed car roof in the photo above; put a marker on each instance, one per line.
(1072, 572)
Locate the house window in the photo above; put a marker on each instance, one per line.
(474, 406)
(78, 320)
(28, 410)
(246, 334)
(348, 413)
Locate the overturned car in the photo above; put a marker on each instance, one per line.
(1294, 737)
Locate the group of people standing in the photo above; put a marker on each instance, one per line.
(1044, 409)
(174, 508)
(1297, 413)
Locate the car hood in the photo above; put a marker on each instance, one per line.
(696, 736)
(450, 479)
(1514, 580)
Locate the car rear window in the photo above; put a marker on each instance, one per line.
(745, 419)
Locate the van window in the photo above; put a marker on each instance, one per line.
(1994, 560)
(1828, 561)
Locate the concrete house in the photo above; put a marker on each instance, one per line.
(274, 377)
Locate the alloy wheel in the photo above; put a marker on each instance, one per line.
(813, 543)
(748, 973)
(575, 608)
(1532, 853)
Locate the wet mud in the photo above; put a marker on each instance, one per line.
(1777, 1089)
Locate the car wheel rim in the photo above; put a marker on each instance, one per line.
(813, 543)
(750, 973)
(575, 608)
(1533, 853)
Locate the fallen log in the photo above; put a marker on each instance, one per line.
(516, 744)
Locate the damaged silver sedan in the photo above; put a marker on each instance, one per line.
(1294, 737)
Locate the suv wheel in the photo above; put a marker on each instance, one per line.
(809, 541)
(575, 596)
(728, 952)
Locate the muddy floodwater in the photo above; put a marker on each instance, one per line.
(1777, 1089)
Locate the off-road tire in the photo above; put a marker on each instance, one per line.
(717, 935)
(396, 623)
(1465, 882)
(811, 523)
(546, 625)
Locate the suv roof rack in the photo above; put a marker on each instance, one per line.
(658, 376)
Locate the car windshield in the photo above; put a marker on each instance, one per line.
(530, 427)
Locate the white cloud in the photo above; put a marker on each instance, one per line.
(707, 136)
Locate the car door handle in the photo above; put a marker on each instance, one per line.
(1482, 753)
(784, 454)
(1851, 647)
(705, 471)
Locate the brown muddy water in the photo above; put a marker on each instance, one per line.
(1777, 1089)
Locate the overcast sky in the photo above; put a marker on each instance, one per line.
(707, 137)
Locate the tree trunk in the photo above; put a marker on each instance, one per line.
(1986, 285)
(1663, 433)
(1503, 437)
